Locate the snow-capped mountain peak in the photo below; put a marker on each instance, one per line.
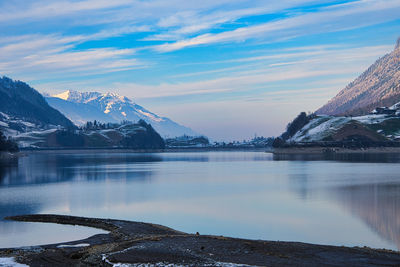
(115, 98)
(77, 97)
(111, 107)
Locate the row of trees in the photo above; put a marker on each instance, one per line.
(95, 125)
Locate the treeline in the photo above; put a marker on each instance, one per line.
(7, 144)
(95, 125)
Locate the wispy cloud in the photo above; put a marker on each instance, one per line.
(176, 22)
(305, 58)
(186, 23)
(12, 11)
(334, 18)
(328, 63)
(346, 62)
(44, 55)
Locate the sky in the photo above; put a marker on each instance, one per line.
(229, 69)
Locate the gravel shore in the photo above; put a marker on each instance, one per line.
(145, 244)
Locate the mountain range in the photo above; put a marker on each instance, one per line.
(81, 107)
(378, 86)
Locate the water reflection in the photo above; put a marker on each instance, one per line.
(350, 157)
(370, 192)
(326, 200)
(45, 168)
(7, 167)
(378, 205)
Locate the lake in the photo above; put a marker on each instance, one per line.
(351, 200)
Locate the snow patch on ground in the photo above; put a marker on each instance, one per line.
(74, 246)
(319, 128)
(150, 116)
(36, 134)
(372, 119)
(164, 264)
(5, 115)
(10, 262)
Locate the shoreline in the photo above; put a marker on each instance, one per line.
(121, 150)
(334, 150)
(138, 243)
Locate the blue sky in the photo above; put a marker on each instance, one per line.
(226, 68)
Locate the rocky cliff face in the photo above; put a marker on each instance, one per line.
(378, 86)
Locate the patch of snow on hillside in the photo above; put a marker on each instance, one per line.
(372, 118)
(36, 134)
(395, 106)
(63, 95)
(108, 107)
(151, 116)
(5, 115)
(319, 128)
(77, 97)
(28, 124)
(74, 246)
(10, 262)
(32, 139)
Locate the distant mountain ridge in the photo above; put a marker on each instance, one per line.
(81, 107)
(20, 104)
(378, 86)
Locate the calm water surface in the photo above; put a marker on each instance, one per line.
(353, 201)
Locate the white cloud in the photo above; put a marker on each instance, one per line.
(45, 55)
(172, 20)
(326, 62)
(329, 64)
(39, 10)
(334, 18)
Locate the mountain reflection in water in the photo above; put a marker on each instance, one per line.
(378, 205)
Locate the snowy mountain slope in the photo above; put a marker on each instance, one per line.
(25, 115)
(25, 133)
(79, 113)
(379, 85)
(21, 103)
(319, 129)
(109, 107)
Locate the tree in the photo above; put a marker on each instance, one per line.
(148, 139)
(299, 122)
(7, 144)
